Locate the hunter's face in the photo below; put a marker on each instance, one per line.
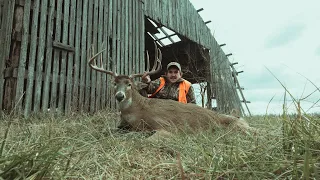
(173, 74)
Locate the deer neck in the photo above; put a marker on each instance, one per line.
(137, 99)
(125, 104)
(133, 102)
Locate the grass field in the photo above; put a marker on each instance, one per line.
(82, 146)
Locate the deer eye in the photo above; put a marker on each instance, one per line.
(129, 85)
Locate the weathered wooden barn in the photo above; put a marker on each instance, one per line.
(45, 46)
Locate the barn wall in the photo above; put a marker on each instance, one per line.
(51, 44)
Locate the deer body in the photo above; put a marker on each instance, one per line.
(139, 113)
(148, 114)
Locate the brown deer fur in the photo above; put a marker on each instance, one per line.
(139, 113)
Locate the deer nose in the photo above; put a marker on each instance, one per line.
(119, 96)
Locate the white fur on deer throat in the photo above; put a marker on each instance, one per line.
(125, 103)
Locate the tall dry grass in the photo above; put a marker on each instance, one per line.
(85, 147)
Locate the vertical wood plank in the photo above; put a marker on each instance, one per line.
(32, 58)
(145, 6)
(105, 37)
(89, 47)
(189, 17)
(141, 37)
(122, 30)
(109, 53)
(188, 13)
(136, 36)
(1, 15)
(95, 47)
(5, 39)
(114, 44)
(157, 10)
(48, 59)
(99, 48)
(196, 28)
(118, 62)
(40, 58)
(83, 62)
(64, 54)
(186, 17)
(130, 29)
(170, 7)
(110, 11)
(71, 56)
(2, 59)
(75, 99)
(85, 71)
(56, 59)
(133, 39)
(126, 38)
(182, 18)
(164, 12)
(177, 12)
(194, 14)
(148, 8)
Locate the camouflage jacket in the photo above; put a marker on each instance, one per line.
(169, 90)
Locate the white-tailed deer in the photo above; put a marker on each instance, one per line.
(140, 113)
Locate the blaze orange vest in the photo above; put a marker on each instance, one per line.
(184, 87)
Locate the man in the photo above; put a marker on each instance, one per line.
(171, 85)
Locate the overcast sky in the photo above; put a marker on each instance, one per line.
(282, 36)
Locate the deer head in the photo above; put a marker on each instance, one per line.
(124, 85)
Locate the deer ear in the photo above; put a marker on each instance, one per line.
(141, 85)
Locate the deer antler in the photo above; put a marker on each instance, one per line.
(156, 65)
(93, 65)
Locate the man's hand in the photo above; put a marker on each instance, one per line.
(146, 78)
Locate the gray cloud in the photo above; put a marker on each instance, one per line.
(287, 35)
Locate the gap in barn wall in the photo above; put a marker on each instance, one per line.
(194, 58)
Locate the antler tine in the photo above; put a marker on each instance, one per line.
(159, 59)
(92, 63)
(156, 65)
(148, 62)
(155, 57)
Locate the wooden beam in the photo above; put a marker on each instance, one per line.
(199, 10)
(62, 46)
(232, 64)
(236, 73)
(48, 58)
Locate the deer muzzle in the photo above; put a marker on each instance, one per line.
(120, 96)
